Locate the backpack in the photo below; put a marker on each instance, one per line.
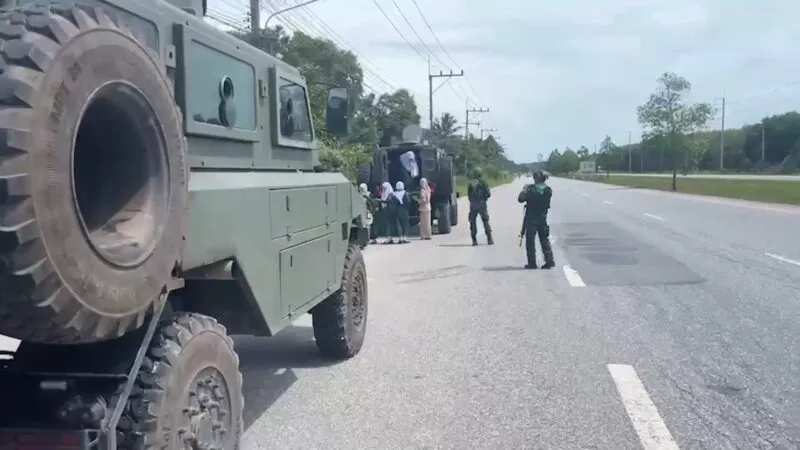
(479, 191)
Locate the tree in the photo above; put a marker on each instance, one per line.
(606, 149)
(445, 127)
(375, 119)
(394, 112)
(667, 114)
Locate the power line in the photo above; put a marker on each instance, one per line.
(226, 19)
(436, 37)
(444, 65)
(398, 30)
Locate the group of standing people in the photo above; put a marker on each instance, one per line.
(391, 211)
(392, 208)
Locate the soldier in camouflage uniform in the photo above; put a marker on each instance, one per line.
(537, 199)
(478, 194)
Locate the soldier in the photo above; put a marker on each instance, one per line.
(478, 193)
(537, 199)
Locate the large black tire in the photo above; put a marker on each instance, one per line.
(89, 235)
(443, 219)
(454, 213)
(191, 371)
(340, 321)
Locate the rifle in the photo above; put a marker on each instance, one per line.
(522, 231)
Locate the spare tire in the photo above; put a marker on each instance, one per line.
(93, 177)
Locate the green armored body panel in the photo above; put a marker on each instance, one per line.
(158, 194)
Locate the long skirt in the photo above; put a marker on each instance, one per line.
(425, 231)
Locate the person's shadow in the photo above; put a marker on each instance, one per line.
(267, 365)
(503, 268)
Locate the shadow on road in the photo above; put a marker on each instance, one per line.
(268, 363)
(454, 245)
(503, 268)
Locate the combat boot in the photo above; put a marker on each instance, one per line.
(474, 240)
(489, 239)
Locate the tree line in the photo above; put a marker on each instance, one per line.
(676, 138)
(375, 119)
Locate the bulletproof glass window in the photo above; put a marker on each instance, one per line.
(295, 120)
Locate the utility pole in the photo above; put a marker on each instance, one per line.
(763, 144)
(641, 155)
(630, 154)
(722, 139)
(488, 130)
(431, 76)
(466, 122)
(255, 16)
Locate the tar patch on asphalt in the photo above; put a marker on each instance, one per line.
(606, 255)
(433, 274)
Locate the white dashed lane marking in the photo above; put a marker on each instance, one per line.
(651, 429)
(573, 277)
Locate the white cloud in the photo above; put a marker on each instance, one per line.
(682, 18)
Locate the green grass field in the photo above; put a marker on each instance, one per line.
(771, 191)
(462, 182)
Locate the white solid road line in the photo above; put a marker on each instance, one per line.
(653, 216)
(608, 202)
(783, 259)
(652, 431)
(573, 277)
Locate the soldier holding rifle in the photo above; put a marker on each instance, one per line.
(536, 198)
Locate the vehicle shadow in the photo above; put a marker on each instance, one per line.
(267, 365)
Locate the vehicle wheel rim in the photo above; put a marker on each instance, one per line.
(206, 423)
(357, 299)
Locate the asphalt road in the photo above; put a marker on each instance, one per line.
(677, 326)
(728, 176)
(671, 321)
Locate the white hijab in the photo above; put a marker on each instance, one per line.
(409, 162)
(423, 184)
(386, 192)
(363, 188)
(399, 191)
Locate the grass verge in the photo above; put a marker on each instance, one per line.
(771, 191)
(462, 182)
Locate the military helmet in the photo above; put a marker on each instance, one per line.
(539, 176)
(477, 172)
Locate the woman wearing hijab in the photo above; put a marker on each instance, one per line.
(389, 205)
(425, 232)
(401, 201)
(371, 210)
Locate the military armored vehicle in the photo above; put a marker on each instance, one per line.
(434, 165)
(158, 192)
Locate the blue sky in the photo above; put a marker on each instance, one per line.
(568, 72)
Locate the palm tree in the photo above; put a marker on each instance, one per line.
(445, 127)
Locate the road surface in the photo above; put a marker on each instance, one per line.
(671, 321)
(729, 176)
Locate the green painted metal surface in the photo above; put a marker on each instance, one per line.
(255, 198)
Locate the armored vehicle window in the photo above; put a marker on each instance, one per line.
(295, 120)
(206, 70)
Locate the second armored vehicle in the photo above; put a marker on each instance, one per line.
(434, 165)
